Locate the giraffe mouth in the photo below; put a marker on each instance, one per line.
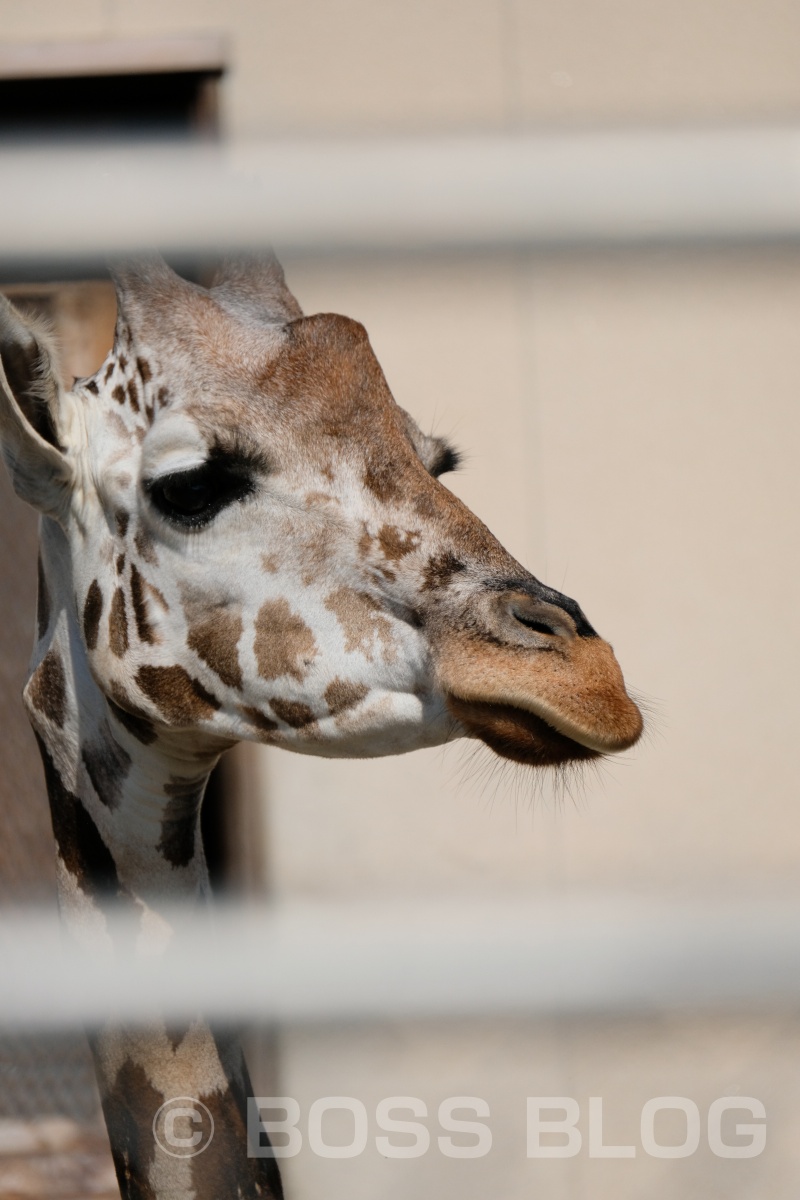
(518, 735)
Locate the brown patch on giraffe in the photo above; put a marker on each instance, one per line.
(180, 699)
(381, 477)
(121, 431)
(440, 570)
(46, 689)
(314, 499)
(179, 822)
(327, 473)
(139, 602)
(397, 543)
(284, 644)
(118, 394)
(157, 595)
(341, 695)
(121, 520)
(293, 713)
(42, 599)
(118, 624)
(92, 387)
(426, 506)
(259, 719)
(365, 543)
(123, 362)
(315, 551)
(135, 724)
(120, 566)
(80, 845)
(363, 621)
(133, 395)
(107, 766)
(175, 1035)
(92, 612)
(368, 716)
(271, 563)
(228, 1167)
(109, 371)
(145, 547)
(130, 1103)
(215, 641)
(143, 367)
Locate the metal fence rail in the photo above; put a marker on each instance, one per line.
(447, 193)
(331, 962)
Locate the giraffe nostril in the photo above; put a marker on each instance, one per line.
(538, 608)
(535, 615)
(531, 623)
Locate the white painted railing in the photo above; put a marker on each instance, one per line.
(456, 192)
(337, 961)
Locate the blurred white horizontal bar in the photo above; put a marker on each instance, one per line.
(344, 962)
(454, 192)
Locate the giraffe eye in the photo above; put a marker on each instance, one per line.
(193, 498)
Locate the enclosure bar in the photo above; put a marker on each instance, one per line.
(442, 193)
(339, 962)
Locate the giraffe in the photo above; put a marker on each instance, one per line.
(244, 537)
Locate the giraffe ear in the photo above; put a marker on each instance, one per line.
(253, 285)
(30, 410)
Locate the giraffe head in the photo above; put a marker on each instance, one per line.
(258, 544)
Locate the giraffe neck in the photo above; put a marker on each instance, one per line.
(125, 803)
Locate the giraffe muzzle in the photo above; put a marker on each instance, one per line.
(533, 680)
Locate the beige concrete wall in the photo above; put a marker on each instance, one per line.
(412, 64)
(626, 1061)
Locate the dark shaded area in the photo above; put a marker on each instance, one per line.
(158, 105)
(80, 843)
(226, 1169)
(167, 105)
(214, 828)
(129, 1111)
(39, 1074)
(179, 821)
(27, 857)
